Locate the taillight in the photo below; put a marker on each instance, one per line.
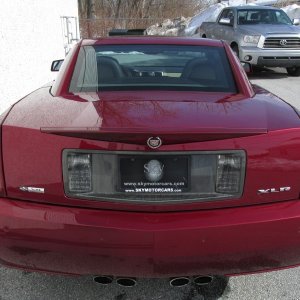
(79, 173)
(229, 173)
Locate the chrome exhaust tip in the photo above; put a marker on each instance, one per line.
(179, 281)
(104, 279)
(202, 280)
(126, 281)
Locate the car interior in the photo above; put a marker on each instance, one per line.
(196, 70)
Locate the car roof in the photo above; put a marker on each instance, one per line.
(152, 40)
(254, 7)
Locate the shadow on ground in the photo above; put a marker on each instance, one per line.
(160, 289)
(266, 73)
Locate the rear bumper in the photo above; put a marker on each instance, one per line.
(271, 57)
(84, 241)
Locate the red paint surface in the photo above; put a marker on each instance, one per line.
(54, 233)
(85, 241)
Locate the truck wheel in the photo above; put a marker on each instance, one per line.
(257, 69)
(293, 71)
(235, 49)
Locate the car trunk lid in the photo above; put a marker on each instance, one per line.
(183, 118)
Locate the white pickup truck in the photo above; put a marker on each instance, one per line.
(259, 35)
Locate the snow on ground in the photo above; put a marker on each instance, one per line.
(208, 15)
(169, 27)
(293, 11)
(186, 26)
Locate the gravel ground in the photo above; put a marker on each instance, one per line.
(277, 285)
(274, 285)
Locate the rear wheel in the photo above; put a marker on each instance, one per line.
(293, 71)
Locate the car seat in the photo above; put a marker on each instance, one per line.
(108, 69)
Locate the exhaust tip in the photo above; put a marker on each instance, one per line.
(203, 280)
(126, 281)
(179, 281)
(105, 280)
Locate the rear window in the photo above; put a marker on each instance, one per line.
(262, 16)
(152, 67)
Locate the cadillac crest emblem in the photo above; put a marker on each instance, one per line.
(154, 142)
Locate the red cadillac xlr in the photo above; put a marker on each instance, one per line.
(150, 157)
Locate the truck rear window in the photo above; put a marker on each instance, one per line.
(152, 67)
(262, 16)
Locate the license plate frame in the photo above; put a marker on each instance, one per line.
(133, 177)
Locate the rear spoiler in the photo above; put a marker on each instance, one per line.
(115, 32)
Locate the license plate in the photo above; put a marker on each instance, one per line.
(154, 174)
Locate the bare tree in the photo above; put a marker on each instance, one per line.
(99, 16)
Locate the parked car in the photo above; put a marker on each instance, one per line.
(150, 157)
(263, 36)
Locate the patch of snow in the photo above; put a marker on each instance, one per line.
(208, 15)
(169, 27)
(237, 2)
(266, 2)
(293, 11)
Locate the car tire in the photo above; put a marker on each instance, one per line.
(257, 69)
(293, 71)
(235, 49)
